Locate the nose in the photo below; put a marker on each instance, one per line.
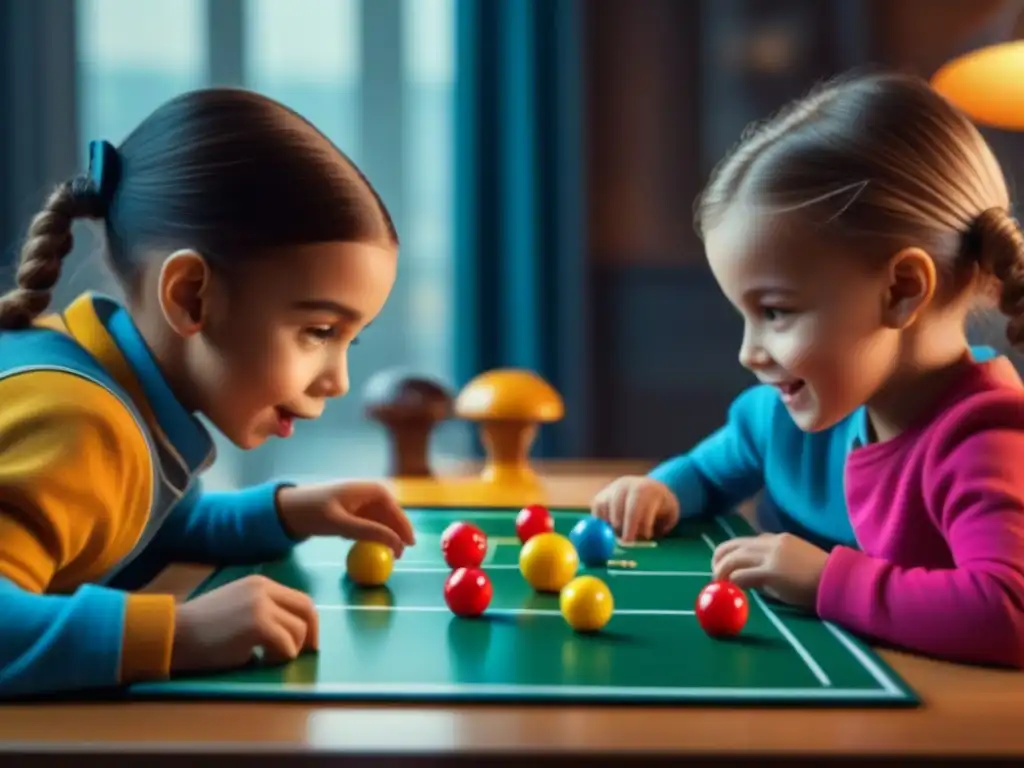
(333, 380)
(752, 354)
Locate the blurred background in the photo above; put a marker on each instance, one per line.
(540, 157)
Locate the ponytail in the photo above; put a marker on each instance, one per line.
(1000, 247)
(49, 237)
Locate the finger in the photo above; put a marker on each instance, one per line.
(376, 502)
(362, 529)
(639, 509)
(662, 520)
(278, 644)
(293, 624)
(723, 549)
(599, 506)
(756, 577)
(752, 543)
(300, 605)
(734, 561)
(385, 510)
(617, 506)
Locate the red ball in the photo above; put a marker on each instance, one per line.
(532, 520)
(722, 609)
(463, 545)
(468, 591)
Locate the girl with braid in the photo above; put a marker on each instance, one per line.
(854, 232)
(252, 253)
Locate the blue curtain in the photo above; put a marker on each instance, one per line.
(521, 276)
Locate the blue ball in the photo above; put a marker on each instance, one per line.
(594, 540)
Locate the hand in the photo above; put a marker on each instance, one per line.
(637, 506)
(221, 629)
(356, 510)
(782, 565)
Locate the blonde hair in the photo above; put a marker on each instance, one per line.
(884, 162)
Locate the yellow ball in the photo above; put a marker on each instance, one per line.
(548, 561)
(369, 563)
(586, 603)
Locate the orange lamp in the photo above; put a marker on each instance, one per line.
(987, 84)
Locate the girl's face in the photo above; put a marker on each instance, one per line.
(275, 340)
(813, 315)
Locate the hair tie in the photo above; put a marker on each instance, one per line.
(104, 169)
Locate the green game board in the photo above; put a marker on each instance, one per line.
(399, 642)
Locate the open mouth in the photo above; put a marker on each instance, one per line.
(790, 389)
(285, 422)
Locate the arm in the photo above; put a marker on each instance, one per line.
(725, 468)
(972, 612)
(226, 527)
(75, 485)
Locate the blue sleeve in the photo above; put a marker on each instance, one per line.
(727, 467)
(225, 527)
(981, 353)
(60, 643)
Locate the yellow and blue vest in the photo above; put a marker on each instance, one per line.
(99, 490)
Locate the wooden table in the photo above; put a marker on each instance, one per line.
(967, 712)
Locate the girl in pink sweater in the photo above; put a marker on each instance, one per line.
(854, 232)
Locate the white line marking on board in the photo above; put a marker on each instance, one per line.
(489, 612)
(548, 691)
(774, 619)
(635, 572)
(877, 672)
(430, 566)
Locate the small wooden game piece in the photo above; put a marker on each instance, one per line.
(722, 609)
(463, 545)
(509, 404)
(368, 563)
(533, 519)
(409, 407)
(637, 544)
(548, 562)
(586, 603)
(594, 540)
(468, 591)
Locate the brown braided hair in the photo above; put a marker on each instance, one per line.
(883, 162)
(227, 172)
(49, 240)
(999, 247)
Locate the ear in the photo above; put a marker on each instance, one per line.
(183, 289)
(911, 286)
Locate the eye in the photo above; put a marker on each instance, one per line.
(325, 333)
(773, 314)
(321, 332)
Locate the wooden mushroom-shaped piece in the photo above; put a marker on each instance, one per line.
(508, 404)
(409, 407)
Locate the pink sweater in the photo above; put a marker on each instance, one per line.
(939, 514)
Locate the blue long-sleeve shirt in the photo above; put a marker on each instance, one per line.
(760, 448)
(61, 643)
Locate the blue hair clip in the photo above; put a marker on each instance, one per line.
(104, 168)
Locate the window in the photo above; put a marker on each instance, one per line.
(430, 79)
(307, 55)
(133, 56)
(377, 77)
